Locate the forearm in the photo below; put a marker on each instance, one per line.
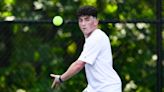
(72, 70)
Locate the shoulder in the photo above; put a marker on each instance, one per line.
(97, 37)
(100, 35)
(97, 34)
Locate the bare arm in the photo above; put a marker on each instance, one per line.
(74, 68)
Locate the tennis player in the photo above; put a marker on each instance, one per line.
(96, 57)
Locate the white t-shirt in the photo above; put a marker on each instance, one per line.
(99, 65)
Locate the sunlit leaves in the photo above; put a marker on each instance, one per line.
(111, 8)
(5, 14)
(20, 90)
(9, 2)
(38, 5)
(71, 49)
(89, 2)
(130, 86)
(122, 17)
(36, 56)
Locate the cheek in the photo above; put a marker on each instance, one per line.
(91, 24)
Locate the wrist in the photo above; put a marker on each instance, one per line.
(60, 79)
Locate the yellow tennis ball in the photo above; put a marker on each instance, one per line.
(57, 20)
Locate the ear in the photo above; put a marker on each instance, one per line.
(96, 22)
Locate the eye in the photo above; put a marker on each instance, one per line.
(87, 19)
(80, 20)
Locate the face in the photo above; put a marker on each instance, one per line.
(87, 24)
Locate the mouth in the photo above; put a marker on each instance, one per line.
(83, 28)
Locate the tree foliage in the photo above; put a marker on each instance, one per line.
(30, 52)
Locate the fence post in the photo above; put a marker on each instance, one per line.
(6, 40)
(159, 44)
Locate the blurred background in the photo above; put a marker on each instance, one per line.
(31, 47)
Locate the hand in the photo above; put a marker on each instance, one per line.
(56, 81)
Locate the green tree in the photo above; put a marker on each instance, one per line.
(34, 50)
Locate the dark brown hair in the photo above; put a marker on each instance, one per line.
(87, 10)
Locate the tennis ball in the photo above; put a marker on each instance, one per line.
(57, 20)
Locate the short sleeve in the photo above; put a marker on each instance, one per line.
(91, 50)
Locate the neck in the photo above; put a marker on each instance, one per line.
(86, 36)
